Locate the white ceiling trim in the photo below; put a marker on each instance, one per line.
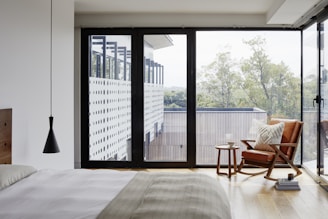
(173, 6)
(290, 11)
(191, 13)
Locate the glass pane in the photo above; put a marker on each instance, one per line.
(165, 83)
(110, 98)
(323, 162)
(310, 90)
(243, 77)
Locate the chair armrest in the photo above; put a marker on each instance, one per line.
(246, 142)
(284, 144)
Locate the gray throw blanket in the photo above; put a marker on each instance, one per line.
(169, 196)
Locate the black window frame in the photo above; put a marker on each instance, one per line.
(137, 90)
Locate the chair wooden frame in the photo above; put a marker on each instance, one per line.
(279, 157)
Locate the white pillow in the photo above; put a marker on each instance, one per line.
(269, 134)
(9, 174)
(256, 123)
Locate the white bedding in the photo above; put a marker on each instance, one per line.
(61, 194)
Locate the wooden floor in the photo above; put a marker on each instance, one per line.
(253, 197)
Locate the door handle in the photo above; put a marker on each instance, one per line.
(318, 99)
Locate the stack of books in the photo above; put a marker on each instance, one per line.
(285, 184)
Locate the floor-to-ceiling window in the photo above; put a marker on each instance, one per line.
(244, 77)
(323, 74)
(310, 97)
(165, 97)
(109, 82)
(134, 98)
(315, 91)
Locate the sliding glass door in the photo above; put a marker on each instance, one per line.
(134, 98)
(311, 98)
(244, 77)
(315, 97)
(109, 82)
(323, 146)
(165, 97)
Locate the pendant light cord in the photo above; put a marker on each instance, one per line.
(50, 57)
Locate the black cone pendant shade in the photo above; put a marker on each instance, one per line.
(51, 143)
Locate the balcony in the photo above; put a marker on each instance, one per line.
(212, 125)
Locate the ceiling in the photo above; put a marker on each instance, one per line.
(277, 12)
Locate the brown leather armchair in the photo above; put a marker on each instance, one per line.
(281, 153)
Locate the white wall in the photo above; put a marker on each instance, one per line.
(25, 78)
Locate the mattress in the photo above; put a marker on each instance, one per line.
(78, 193)
(88, 194)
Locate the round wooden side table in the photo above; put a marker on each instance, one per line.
(229, 149)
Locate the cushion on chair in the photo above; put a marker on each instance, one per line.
(294, 137)
(269, 134)
(260, 156)
(290, 134)
(256, 123)
(288, 130)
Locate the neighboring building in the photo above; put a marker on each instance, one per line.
(110, 95)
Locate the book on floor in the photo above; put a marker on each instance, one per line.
(284, 181)
(285, 184)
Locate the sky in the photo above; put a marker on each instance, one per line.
(280, 46)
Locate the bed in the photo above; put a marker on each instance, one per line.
(81, 193)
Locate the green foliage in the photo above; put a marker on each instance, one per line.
(217, 83)
(253, 82)
(270, 86)
(310, 88)
(175, 99)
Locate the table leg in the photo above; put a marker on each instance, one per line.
(229, 163)
(218, 164)
(234, 161)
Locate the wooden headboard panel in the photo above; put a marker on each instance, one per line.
(5, 136)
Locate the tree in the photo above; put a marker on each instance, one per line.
(269, 86)
(252, 82)
(175, 99)
(217, 82)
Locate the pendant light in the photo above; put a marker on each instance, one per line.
(51, 143)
